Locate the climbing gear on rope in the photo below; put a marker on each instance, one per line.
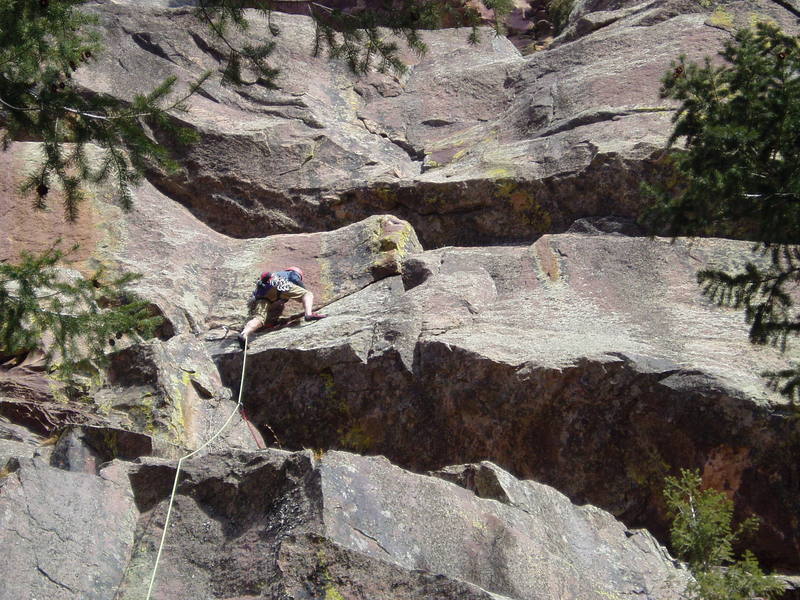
(280, 283)
(253, 431)
(224, 335)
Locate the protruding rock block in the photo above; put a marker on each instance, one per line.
(337, 525)
(396, 239)
(590, 362)
(85, 449)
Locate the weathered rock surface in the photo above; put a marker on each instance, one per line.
(64, 535)
(589, 362)
(195, 277)
(275, 525)
(16, 441)
(475, 145)
(199, 281)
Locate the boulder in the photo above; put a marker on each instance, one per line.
(589, 362)
(336, 525)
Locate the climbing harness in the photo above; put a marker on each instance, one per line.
(238, 408)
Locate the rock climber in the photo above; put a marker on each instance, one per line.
(272, 292)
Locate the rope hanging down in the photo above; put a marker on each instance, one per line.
(178, 470)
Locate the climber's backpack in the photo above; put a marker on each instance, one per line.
(294, 277)
(278, 281)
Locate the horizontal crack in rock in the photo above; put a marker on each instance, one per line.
(599, 117)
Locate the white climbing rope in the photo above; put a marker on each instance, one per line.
(178, 470)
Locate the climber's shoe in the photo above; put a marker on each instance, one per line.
(314, 317)
(241, 339)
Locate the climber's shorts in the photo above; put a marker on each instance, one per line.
(295, 292)
(270, 308)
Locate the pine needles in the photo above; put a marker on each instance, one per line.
(358, 37)
(737, 174)
(703, 535)
(41, 45)
(76, 319)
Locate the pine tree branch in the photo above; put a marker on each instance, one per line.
(89, 115)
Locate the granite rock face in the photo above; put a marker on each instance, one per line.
(273, 524)
(474, 145)
(586, 360)
(589, 362)
(67, 535)
(196, 278)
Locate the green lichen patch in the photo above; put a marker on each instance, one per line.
(721, 18)
(142, 414)
(524, 204)
(499, 173)
(331, 593)
(392, 240)
(386, 195)
(357, 439)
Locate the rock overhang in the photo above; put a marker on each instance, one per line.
(538, 357)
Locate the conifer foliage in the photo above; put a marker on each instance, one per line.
(42, 42)
(738, 175)
(80, 316)
(703, 535)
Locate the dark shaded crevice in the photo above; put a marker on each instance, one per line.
(207, 95)
(374, 539)
(145, 42)
(599, 117)
(309, 122)
(789, 6)
(271, 107)
(272, 102)
(207, 48)
(413, 153)
(53, 581)
(437, 123)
